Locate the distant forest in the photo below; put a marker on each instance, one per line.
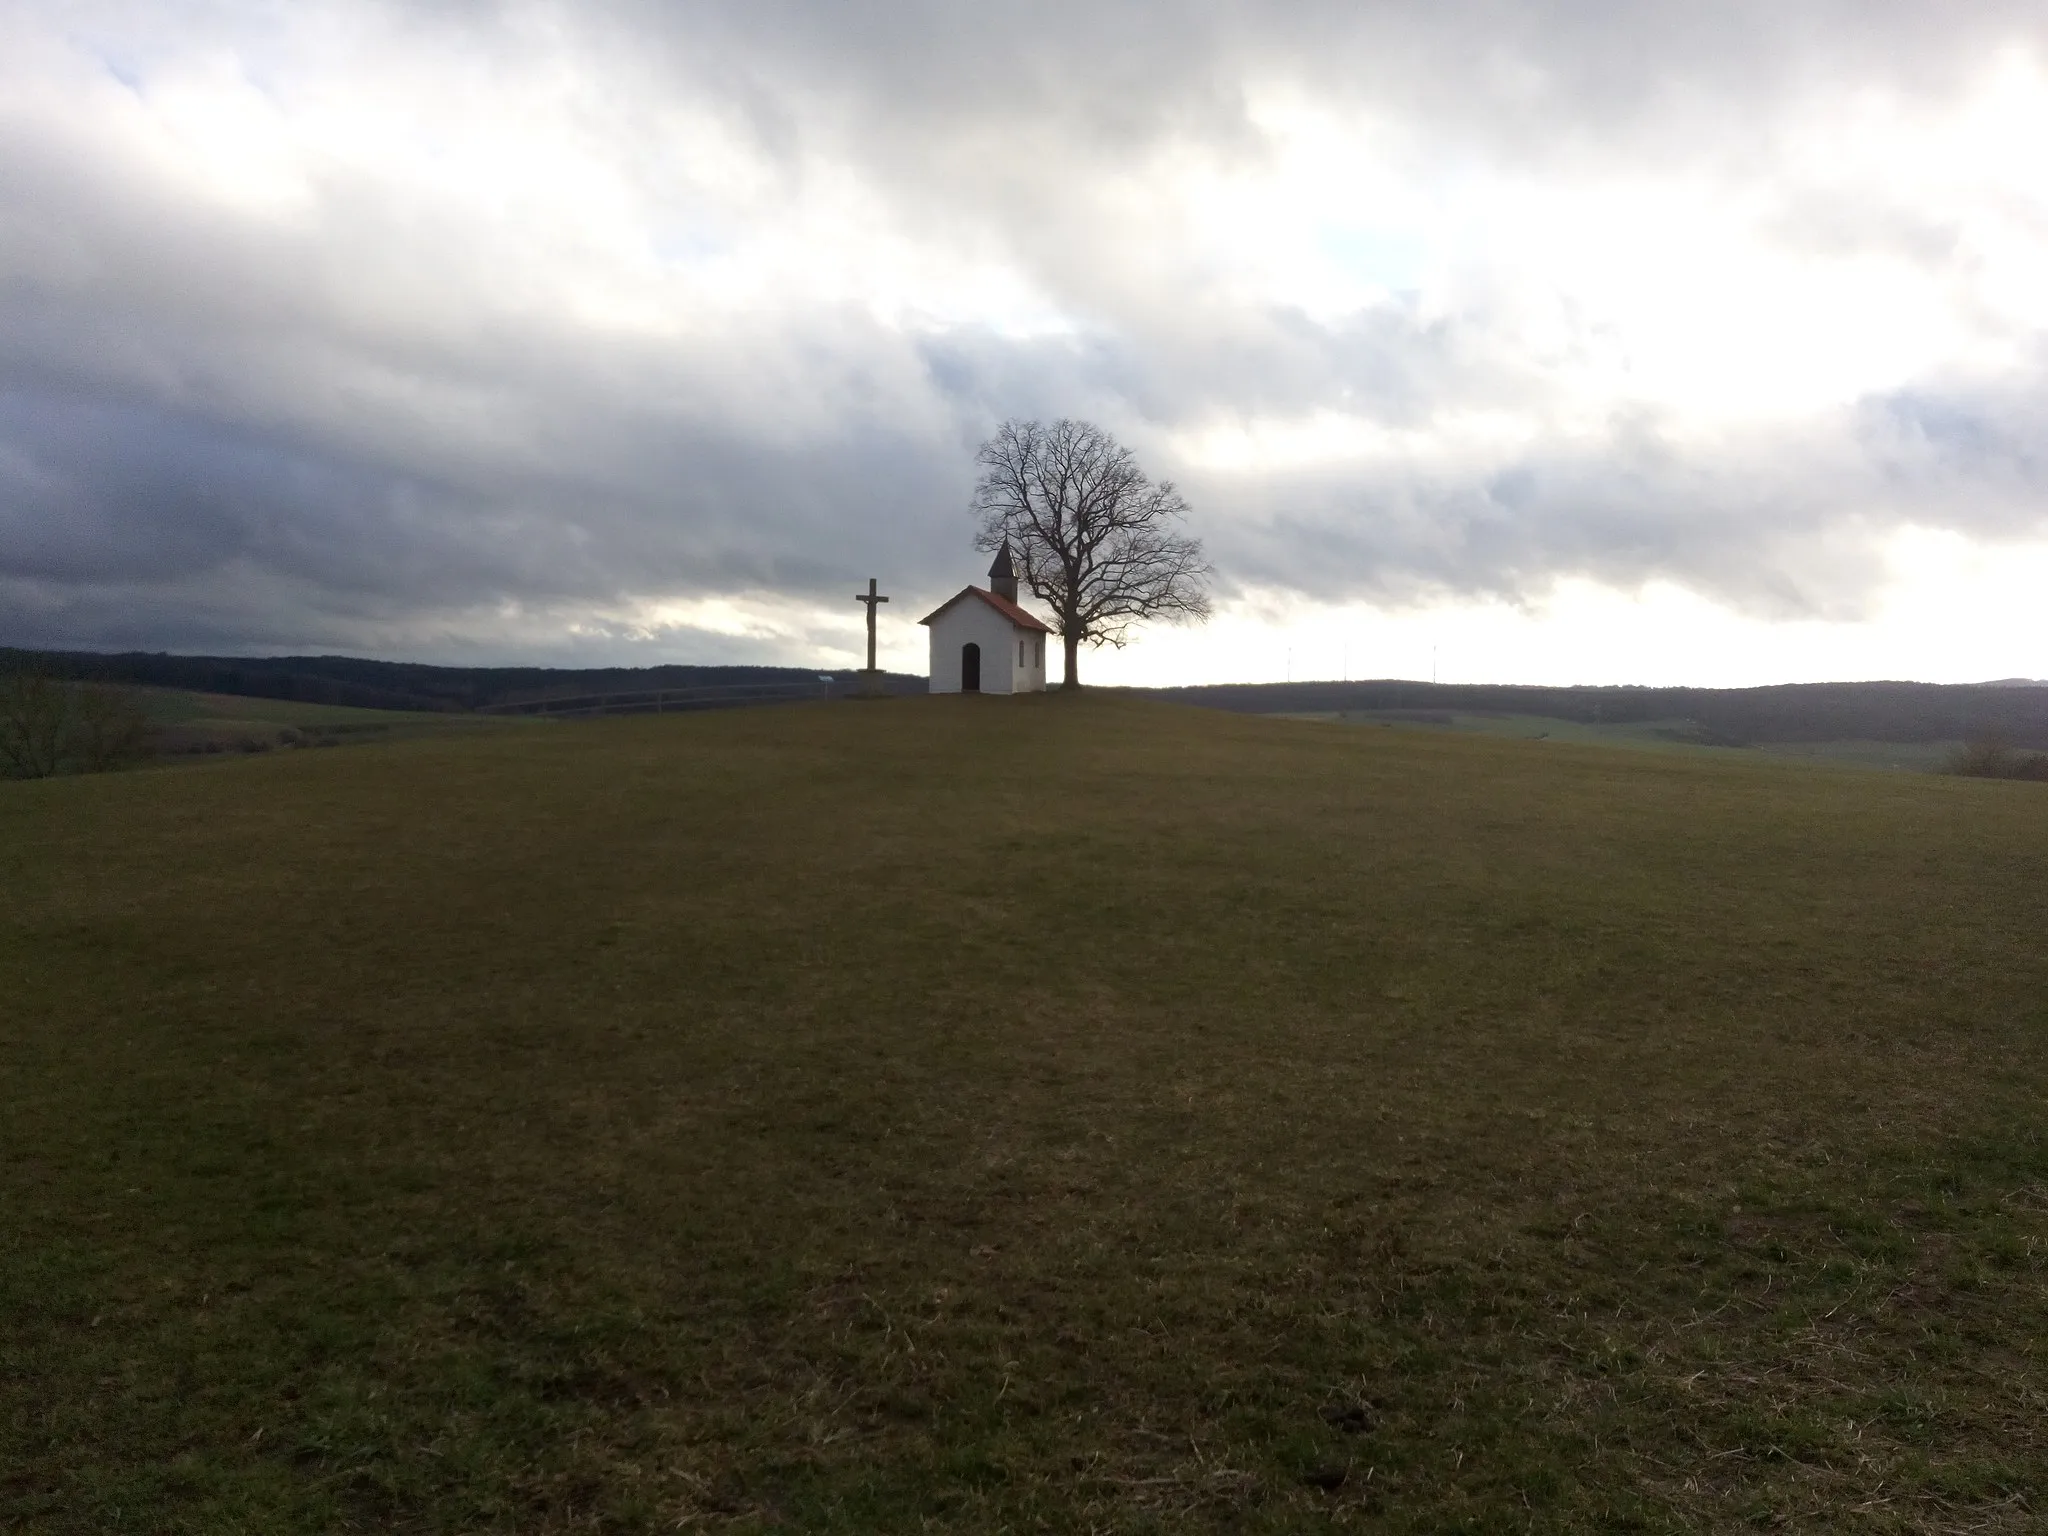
(364, 684)
(1794, 712)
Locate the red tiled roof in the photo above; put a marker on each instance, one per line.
(1002, 605)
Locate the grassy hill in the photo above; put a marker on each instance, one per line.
(1029, 1114)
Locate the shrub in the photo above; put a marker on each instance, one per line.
(108, 729)
(1991, 758)
(34, 718)
(47, 726)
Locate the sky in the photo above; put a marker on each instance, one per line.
(1581, 342)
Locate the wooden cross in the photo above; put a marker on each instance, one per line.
(870, 597)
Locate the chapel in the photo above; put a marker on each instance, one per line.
(982, 642)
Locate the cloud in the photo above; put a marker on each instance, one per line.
(517, 327)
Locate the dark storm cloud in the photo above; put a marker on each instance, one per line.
(1780, 535)
(362, 420)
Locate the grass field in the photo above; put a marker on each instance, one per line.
(1021, 1114)
(1651, 736)
(184, 722)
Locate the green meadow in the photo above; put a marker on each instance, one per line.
(1043, 1114)
(1652, 736)
(183, 722)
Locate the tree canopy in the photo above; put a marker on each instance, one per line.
(1094, 538)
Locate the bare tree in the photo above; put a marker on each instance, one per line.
(35, 713)
(108, 727)
(1094, 538)
(49, 727)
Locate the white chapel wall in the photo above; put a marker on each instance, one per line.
(971, 619)
(1030, 675)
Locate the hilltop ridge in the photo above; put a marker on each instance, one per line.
(2014, 710)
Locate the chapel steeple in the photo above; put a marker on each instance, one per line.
(1002, 576)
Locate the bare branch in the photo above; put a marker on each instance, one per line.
(108, 728)
(34, 718)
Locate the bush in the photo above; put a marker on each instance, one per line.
(34, 715)
(1994, 759)
(47, 727)
(108, 729)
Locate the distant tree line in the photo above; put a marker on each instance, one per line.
(362, 684)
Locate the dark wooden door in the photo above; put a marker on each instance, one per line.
(970, 668)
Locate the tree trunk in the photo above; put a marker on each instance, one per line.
(1073, 644)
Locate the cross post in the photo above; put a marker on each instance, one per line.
(870, 597)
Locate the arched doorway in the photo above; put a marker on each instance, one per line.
(970, 668)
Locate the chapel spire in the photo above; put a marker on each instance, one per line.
(1002, 576)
